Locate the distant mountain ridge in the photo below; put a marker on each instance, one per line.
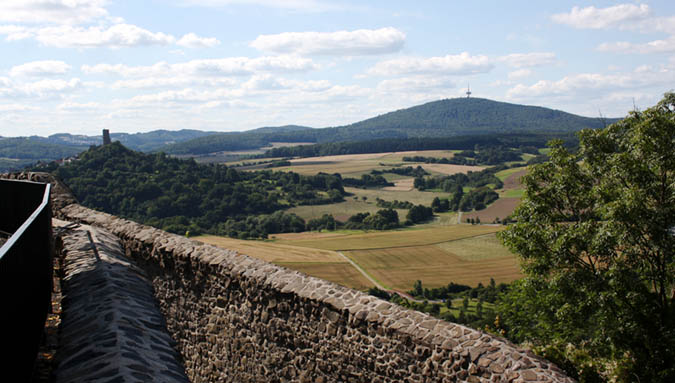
(443, 118)
(18, 152)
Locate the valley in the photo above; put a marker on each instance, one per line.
(437, 252)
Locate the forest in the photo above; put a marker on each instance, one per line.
(183, 196)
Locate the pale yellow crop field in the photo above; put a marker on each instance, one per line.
(353, 165)
(394, 238)
(398, 268)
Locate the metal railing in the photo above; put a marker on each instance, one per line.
(26, 266)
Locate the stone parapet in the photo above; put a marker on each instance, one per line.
(237, 318)
(112, 329)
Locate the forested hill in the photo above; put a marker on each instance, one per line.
(461, 116)
(180, 195)
(444, 118)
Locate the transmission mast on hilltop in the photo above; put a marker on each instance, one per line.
(468, 91)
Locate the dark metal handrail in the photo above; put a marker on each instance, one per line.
(26, 264)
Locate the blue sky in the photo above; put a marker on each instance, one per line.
(80, 66)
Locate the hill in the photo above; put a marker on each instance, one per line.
(444, 118)
(19, 152)
(145, 142)
(180, 195)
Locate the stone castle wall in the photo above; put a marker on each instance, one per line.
(240, 319)
(236, 318)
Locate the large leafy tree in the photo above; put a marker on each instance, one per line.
(595, 234)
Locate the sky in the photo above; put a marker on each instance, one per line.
(80, 66)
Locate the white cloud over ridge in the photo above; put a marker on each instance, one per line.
(43, 68)
(584, 83)
(524, 60)
(415, 83)
(461, 64)
(359, 42)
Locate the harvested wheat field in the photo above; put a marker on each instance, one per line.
(399, 268)
(395, 238)
(324, 264)
(448, 169)
(271, 252)
(501, 208)
(405, 184)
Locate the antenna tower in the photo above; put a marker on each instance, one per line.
(468, 91)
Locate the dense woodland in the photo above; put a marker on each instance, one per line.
(478, 156)
(180, 196)
(384, 145)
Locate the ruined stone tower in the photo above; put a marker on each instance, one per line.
(106, 137)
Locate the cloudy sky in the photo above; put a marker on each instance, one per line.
(80, 66)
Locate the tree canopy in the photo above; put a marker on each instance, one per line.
(595, 234)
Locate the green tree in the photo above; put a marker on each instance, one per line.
(594, 232)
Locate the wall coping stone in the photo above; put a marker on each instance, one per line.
(112, 328)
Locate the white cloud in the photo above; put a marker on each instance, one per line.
(171, 81)
(294, 5)
(523, 60)
(15, 32)
(618, 16)
(41, 89)
(52, 11)
(16, 108)
(418, 83)
(584, 84)
(40, 69)
(630, 17)
(78, 107)
(520, 73)
(656, 46)
(119, 35)
(191, 40)
(349, 43)
(461, 64)
(230, 66)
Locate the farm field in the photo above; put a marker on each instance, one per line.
(501, 208)
(437, 252)
(399, 268)
(323, 264)
(393, 238)
(466, 254)
(356, 204)
(396, 259)
(354, 165)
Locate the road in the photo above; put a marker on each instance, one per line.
(379, 286)
(363, 272)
